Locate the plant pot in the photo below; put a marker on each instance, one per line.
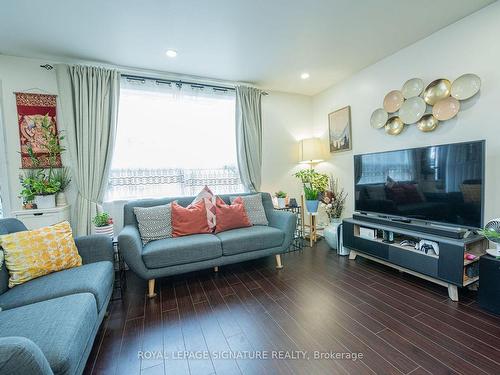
(331, 233)
(281, 202)
(61, 199)
(312, 206)
(45, 201)
(106, 230)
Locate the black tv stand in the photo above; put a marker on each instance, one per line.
(417, 225)
(401, 220)
(449, 268)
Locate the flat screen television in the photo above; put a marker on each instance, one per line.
(442, 184)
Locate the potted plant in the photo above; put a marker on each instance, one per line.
(39, 189)
(314, 184)
(334, 201)
(281, 197)
(62, 176)
(103, 224)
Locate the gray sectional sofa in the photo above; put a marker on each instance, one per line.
(48, 325)
(172, 256)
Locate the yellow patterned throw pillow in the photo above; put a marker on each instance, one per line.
(35, 253)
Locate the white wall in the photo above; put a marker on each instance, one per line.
(286, 119)
(468, 46)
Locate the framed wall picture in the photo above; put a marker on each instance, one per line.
(339, 125)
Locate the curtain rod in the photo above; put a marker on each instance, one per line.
(180, 82)
(142, 78)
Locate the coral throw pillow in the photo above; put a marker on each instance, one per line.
(189, 220)
(231, 216)
(31, 254)
(209, 198)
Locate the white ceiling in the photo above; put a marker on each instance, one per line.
(268, 43)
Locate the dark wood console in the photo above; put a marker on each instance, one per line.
(449, 268)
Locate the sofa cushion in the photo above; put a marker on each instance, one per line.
(209, 197)
(243, 240)
(189, 220)
(254, 208)
(95, 278)
(231, 216)
(38, 252)
(155, 223)
(61, 328)
(181, 250)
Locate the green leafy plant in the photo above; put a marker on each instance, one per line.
(36, 182)
(310, 193)
(490, 234)
(62, 176)
(314, 183)
(280, 194)
(103, 219)
(334, 199)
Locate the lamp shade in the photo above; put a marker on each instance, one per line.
(310, 150)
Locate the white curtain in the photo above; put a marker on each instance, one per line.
(249, 136)
(89, 105)
(172, 140)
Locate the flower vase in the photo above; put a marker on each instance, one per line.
(331, 233)
(312, 206)
(45, 201)
(106, 230)
(281, 202)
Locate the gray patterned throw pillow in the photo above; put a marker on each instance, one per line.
(254, 208)
(155, 223)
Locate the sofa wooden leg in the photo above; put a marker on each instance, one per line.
(279, 265)
(151, 288)
(216, 269)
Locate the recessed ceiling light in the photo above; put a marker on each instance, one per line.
(171, 53)
(304, 75)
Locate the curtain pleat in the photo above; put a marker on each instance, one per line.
(89, 99)
(249, 136)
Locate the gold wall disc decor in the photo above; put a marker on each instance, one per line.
(394, 126)
(437, 90)
(427, 123)
(446, 109)
(426, 108)
(393, 101)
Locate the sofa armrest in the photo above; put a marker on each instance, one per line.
(285, 221)
(19, 355)
(130, 243)
(95, 248)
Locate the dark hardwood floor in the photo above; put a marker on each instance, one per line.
(319, 303)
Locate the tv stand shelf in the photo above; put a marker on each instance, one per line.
(449, 268)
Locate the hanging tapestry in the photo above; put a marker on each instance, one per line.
(36, 116)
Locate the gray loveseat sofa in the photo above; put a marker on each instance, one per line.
(48, 324)
(172, 256)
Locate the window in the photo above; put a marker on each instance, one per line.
(172, 140)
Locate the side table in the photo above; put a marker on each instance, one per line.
(298, 239)
(120, 275)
